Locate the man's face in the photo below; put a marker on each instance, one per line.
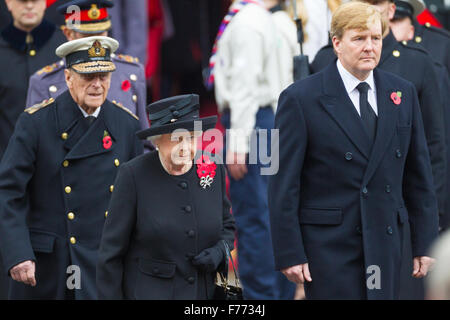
(359, 50)
(402, 29)
(88, 90)
(27, 14)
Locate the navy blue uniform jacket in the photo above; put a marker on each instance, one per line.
(56, 180)
(339, 205)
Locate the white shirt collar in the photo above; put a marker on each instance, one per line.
(95, 114)
(350, 81)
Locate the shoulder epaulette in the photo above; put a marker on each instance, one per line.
(39, 106)
(127, 58)
(121, 106)
(50, 68)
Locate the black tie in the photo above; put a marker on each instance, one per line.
(90, 120)
(368, 116)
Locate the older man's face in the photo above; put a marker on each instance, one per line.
(359, 50)
(27, 14)
(88, 90)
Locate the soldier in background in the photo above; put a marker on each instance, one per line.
(27, 44)
(128, 86)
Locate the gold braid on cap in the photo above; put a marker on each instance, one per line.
(96, 50)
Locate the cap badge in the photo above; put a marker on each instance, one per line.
(96, 50)
(93, 12)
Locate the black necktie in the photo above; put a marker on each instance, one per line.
(90, 120)
(368, 116)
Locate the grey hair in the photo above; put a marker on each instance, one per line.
(154, 138)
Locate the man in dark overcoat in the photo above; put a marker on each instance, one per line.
(354, 168)
(57, 175)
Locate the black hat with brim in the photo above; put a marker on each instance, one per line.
(179, 112)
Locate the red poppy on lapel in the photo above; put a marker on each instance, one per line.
(206, 171)
(107, 141)
(396, 97)
(126, 85)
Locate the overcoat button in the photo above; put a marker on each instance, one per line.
(64, 135)
(68, 189)
(111, 188)
(365, 191)
(191, 233)
(73, 240)
(183, 185)
(398, 153)
(348, 156)
(71, 215)
(188, 209)
(65, 163)
(358, 229)
(155, 270)
(116, 162)
(388, 188)
(191, 280)
(389, 230)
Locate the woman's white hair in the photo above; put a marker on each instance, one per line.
(154, 139)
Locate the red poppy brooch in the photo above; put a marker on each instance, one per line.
(206, 171)
(126, 85)
(107, 141)
(396, 97)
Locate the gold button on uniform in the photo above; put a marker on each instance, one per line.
(32, 53)
(106, 214)
(53, 89)
(64, 135)
(405, 42)
(396, 53)
(116, 162)
(65, 163)
(427, 24)
(134, 97)
(68, 189)
(73, 240)
(71, 215)
(111, 188)
(133, 77)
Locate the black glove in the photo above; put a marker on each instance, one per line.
(209, 259)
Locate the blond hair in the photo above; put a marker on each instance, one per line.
(355, 15)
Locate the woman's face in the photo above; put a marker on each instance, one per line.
(177, 148)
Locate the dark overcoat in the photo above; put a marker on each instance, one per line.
(341, 204)
(56, 179)
(156, 224)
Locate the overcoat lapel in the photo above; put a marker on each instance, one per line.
(339, 106)
(386, 124)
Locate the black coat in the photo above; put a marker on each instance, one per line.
(340, 207)
(413, 64)
(17, 64)
(55, 187)
(156, 224)
(436, 41)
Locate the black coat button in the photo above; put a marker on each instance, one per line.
(348, 156)
(191, 280)
(176, 114)
(389, 230)
(388, 188)
(183, 185)
(358, 229)
(191, 233)
(188, 209)
(398, 153)
(365, 191)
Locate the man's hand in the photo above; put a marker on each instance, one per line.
(421, 266)
(24, 272)
(298, 274)
(236, 164)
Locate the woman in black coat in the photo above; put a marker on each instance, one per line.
(168, 215)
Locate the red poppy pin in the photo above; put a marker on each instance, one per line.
(126, 85)
(206, 171)
(107, 141)
(396, 97)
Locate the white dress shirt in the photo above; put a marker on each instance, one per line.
(351, 82)
(95, 114)
(246, 74)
